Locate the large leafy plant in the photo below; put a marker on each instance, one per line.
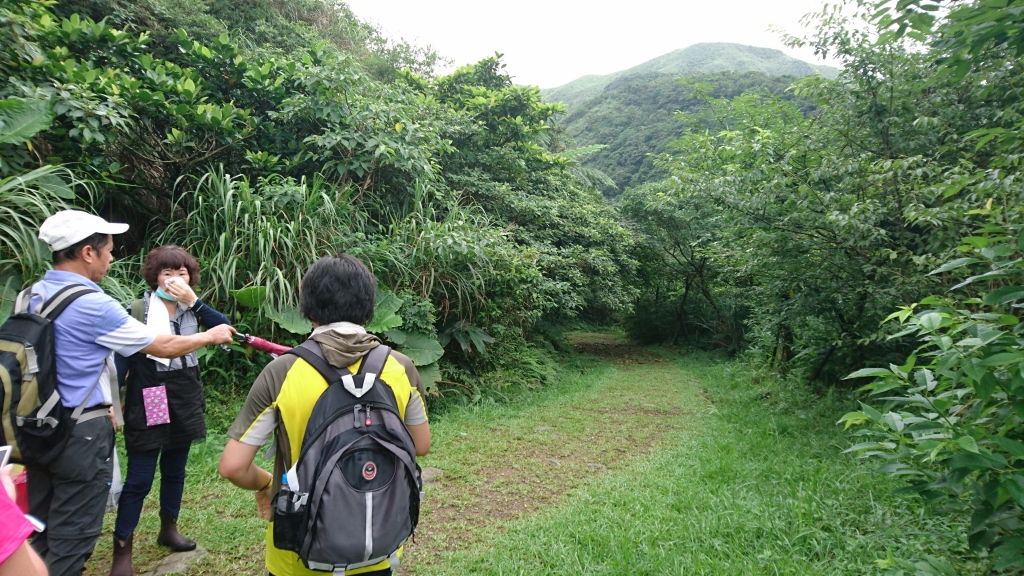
(951, 419)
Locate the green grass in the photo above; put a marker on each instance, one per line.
(647, 462)
(758, 486)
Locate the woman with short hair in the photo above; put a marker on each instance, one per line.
(164, 402)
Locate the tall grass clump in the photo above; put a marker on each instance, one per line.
(25, 201)
(262, 237)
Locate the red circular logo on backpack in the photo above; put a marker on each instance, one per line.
(369, 470)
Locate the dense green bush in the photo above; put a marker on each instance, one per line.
(817, 221)
(264, 138)
(951, 418)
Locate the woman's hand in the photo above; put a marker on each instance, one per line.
(8, 482)
(182, 292)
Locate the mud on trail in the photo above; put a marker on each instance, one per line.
(511, 462)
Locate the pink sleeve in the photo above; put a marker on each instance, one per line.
(14, 528)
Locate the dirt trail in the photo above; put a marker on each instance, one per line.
(497, 471)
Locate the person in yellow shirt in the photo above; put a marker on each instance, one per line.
(338, 297)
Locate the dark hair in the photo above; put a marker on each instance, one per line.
(339, 289)
(97, 241)
(169, 258)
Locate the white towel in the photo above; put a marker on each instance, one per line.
(340, 328)
(158, 322)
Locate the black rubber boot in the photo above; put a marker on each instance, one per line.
(121, 564)
(169, 534)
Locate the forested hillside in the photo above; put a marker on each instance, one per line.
(215, 127)
(704, 58)
(630, 113)
(634, 118)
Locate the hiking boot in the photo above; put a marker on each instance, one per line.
(169, 534)
(121, 564)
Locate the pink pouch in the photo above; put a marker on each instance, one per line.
(154, 399)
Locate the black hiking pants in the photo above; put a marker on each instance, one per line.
(70, 496)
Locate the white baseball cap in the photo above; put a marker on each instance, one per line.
(69, 227)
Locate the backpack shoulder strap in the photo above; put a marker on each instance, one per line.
(21, 303)
(62, 299)
(373, 362)
(138, 310)
(310, 352)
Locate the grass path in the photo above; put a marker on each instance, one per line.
(644, 462)
(504, 462)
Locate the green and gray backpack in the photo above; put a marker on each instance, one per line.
(353, 497)
(35, 423)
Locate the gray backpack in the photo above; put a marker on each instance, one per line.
(353, 497)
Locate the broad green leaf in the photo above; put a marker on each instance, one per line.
(387, 301)
(902, 314)
(251, 297)
(21, 119)
(383, 322)
(909, 365)
(970, 461)
(1004, 295)
(986, 386)
(1014, 447)
(395, 336)
(871, 413)
(384, 317)
(930, 321)
(290, 319)
(853, 419)
(977, 241)
(867, 372)
(953, 264)
(967, 443)
(429, 374)
(55, 185)
(422, 349)
(1002, 359)
(480, 339)
(1014, 485)
(926, 426)
(1008, 320)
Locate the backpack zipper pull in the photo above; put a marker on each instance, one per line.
(368, 422)
(355, 416)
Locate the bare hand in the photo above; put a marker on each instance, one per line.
(8, 482)
(263, 502)
(182, 292)
(220, 334)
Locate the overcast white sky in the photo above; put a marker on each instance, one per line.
(550, 42)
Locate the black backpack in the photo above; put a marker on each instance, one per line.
(353, 497)
(34, 420)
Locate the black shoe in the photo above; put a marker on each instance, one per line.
(169, 535)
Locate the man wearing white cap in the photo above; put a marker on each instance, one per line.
(70, 493)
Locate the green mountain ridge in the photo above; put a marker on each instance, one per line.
(709, 57)
(635, 116)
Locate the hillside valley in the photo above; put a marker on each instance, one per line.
(632, 112)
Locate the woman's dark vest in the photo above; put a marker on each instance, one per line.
(185, 402)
